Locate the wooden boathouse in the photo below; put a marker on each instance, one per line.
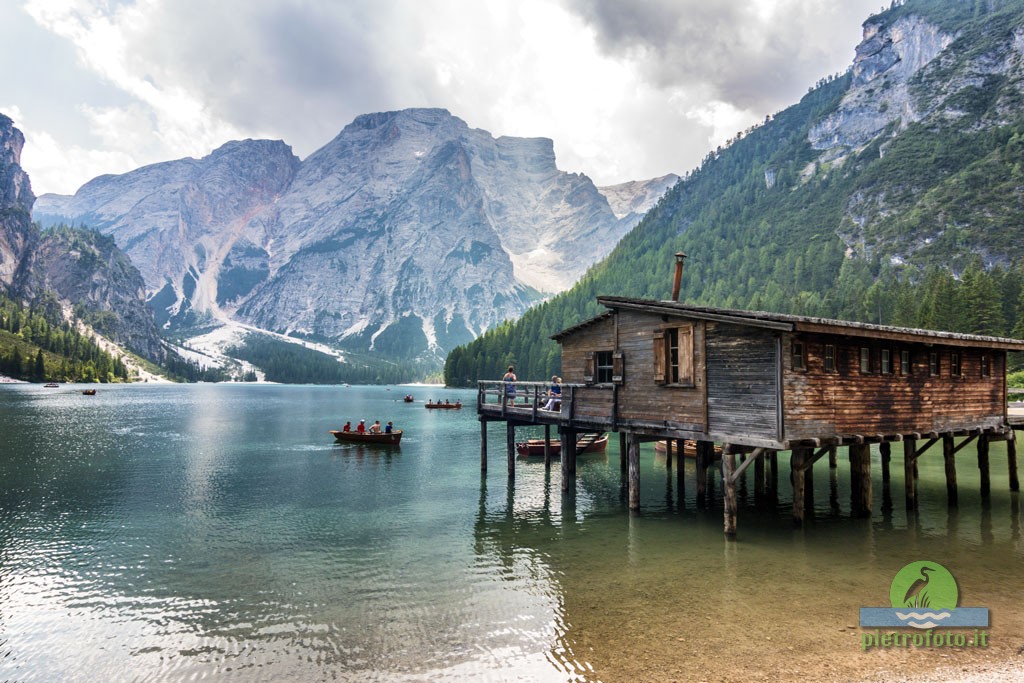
(759, 383)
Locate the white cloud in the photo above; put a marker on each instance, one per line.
(626, 90)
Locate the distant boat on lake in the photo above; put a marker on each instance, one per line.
(392, 439)
(443, 406)
(51, 385)
(408, 398)
(89, 392)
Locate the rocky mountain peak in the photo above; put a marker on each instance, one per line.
(16, 200)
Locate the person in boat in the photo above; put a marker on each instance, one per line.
(361, 427)
(347, 427)
(554, 394)
(375, 427)
(447, 402)
(510, 385)
(389, 427)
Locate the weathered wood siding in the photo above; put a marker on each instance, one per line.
(641, 399)
(743, 381)
(847, 402)
(576, 349)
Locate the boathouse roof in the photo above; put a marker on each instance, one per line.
(793, 323)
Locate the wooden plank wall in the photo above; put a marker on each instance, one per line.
(818, 403)
(743, 381)
(640, 397)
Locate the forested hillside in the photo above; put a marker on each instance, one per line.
(920, 226)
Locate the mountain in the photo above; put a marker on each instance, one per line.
(891, 193)
(406, 235)
(62, 278)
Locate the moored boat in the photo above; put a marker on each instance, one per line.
(51, 385)
(408, 398)
(587, 443)
(689, 448)
(89, 392)
(392, 439)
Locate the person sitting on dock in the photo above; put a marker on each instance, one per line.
(375, 427)
(389, 427)
(554, 394)
(361, 427)
(347, 427)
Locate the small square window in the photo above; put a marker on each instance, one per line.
(954, 364)
(604, 366)
(798, 358)
(865, 360)
(933, 364)
(830, 358)
(886, 362)
(905, 366)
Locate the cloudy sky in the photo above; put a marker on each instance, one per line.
(627, 89)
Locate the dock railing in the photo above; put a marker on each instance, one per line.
(524, 398)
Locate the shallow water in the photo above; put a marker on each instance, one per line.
(216, 531)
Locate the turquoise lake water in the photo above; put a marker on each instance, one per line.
(166, 532)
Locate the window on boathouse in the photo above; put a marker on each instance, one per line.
(673, 355)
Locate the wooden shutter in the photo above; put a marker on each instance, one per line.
(686, 355)
(590, 367)
(618, 364)
(659, 356)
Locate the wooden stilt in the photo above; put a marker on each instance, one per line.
(796, 463)
(909, 483)
(860, 462)
(680, 480)
(885, 449)
(547, 447)
(669, 444)
(730, 507)
(833, 460)
(986, 482)
(1011, 459)
(759, 478)
(483, 445)
(510, 449)
(704, 450)
(808, 484)
(634, 472)
(773, 473)
(565, 443)
(948, 454)
(623, 450)
(571, 452)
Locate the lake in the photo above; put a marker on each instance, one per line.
(186, 532)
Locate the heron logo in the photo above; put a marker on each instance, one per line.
(924, 595)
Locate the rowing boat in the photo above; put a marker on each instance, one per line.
(391, 439)
(584, 444)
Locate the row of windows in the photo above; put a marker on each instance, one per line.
(886, 363)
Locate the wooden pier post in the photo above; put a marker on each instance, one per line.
(885, 449)
(808, 481)
(759, 478)
(860, 466)
(730, 506)
(623, 451)
(796, 463)
(680, 479)
(705, 450)
(634, 472)
(773, 473)
(949, 455)
(483, 445)
(510, 446)
(833, 459)
(547, 447)
(668, 453)
(567, 441)
(983, 470)
(1011, 460)
(909, 483)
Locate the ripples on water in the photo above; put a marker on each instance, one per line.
(183, 533)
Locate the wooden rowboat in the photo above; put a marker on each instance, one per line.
(89, 392)
(584, 444)
(444, 406)
(392, 439)
(689, 448)
(408, 398)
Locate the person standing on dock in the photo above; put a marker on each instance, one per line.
(510, 385)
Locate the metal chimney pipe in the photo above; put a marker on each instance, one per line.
(677, 282)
